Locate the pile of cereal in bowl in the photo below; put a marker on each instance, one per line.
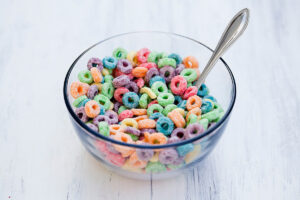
(145, 97)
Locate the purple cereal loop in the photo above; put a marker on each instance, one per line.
(92, 126)
(111, 148)
(179, 69)
(95, 62)
(124, 66)
(144, 154)
(167, 72)
(193, 130)
(178, 132)
(150, 74)
(132, 87)
(92, 91)
(80, 113)
(168, 156)
(211, 125)
(101, 118)
(113, 116)
(178, 161)
(174, 139)
(117, 105)
(149, 130)
(132, 130)
(121, 81)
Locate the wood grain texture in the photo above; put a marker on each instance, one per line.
(40, 156)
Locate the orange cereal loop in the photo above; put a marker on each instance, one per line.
(137, 119)
(124, 150)
(92, 109)
(113, 129)
(157, 139)
(78, 89)
(146, 123)
(139, 112)
(193, 102)
(139, 72)
(135, 162)
(146, 137)
(96, 74)
(198, 72)
(190, 62)
(196, 111)
(177, 118)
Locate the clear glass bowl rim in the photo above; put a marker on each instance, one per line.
(108, 139)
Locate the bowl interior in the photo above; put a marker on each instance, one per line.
(220, 81)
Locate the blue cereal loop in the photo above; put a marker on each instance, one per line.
(164, 125)
(130, 100)
(210, 97)
(182, 104)
(176, 57)
(156, 78)
(203, 91)
(206, 106)
(109, 62)
(185, 149)
(82, 104)
(177, 100)
(156, 115)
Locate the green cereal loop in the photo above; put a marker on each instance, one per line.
(154, 107)
(221, 114)
(103, 100)
(110, 71)
(173, 167)
(155, 167)
(160, 56)
(218, 107)
(144, 100)
(77, 101)
(189, 85)
(133, 137)
(85, 76)
(211, 116)
(120, 53)
(168, 109)
(152, 56)
(159, 87)
(192, 119)
(165, 99)
(190, 75)
(121, 109)
(108, 90)
(204, 123)
(108, 78)
(166, 61)
(103, 128)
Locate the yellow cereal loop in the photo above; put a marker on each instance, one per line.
(181, 111)
(154, 157)
(129, 122)
(132, 57)
(105, 72)
(111, 106)
(191, 156)
(148, 91)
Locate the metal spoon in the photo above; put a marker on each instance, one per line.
(232, 32)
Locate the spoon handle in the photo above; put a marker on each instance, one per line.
(232, 32)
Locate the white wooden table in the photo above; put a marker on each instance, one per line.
(42, 158)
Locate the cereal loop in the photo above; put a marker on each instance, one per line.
(78, 89)
(139, 72)
(92, 109)
(146, 123)
(190, 62)
(193, 102)
(177, 119)
(196, 111)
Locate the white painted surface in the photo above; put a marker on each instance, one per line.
(40, 156)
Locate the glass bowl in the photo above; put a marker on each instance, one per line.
(220, 82)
